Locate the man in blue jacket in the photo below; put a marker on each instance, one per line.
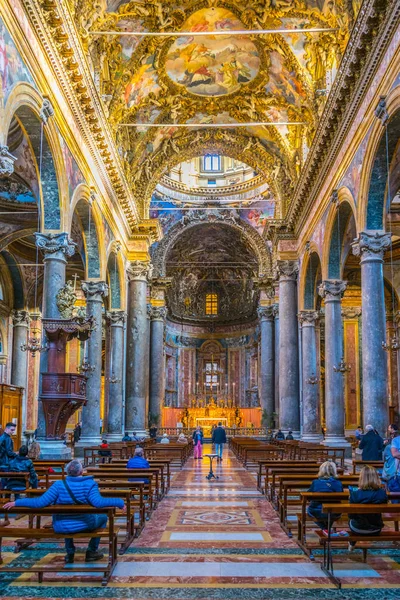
(138, 462)
(219, 439)
(74, 489)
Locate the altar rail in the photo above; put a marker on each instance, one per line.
(230, 431)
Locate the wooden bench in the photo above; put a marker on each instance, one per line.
(264, 465)
(47, 535)
(106, 480)
(366, 540)
(152, 473)
(359, 464)
(131, 529)
(164, 463)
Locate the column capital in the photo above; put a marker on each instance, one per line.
(139, 270)
(287, 270)
(158, 313)
(116, 318)
(275, 310)
(265, 313)
(94, 291)
(351, 312)
(371, 245)
(308, 317)
(20, 317)
(332, 289)
(55, 245)
(6, 162)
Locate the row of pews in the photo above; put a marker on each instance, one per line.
(285, 471)
(140, 489)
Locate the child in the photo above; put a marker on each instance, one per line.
(370, 491)
(327, 482)
(104, 452)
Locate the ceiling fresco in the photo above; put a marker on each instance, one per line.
(278, 79)
(228, 270)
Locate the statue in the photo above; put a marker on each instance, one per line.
(66, 299)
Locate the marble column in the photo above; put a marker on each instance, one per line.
(19, 360)
(370, 247)
(310, 377)
(137, 345)
(95, 292)
(267, 365)
(332, 291)
(56, 248)
(116, 320)
(157, 360)
(289, 402)
(276, 356)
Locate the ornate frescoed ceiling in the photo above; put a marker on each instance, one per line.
(212, 258)
(233, 78)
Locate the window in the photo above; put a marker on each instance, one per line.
(212, 377)
(212, 162)
(212, 182)
(211, 304)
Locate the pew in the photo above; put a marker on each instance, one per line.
(359, 464)
(47, 535)
(367, 541)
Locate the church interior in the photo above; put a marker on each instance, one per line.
(199, 228)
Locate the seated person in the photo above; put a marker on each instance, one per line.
(182, 439)
(327, 482)
(134, 437)
(138, 462)
(164, 439)
(280, 435)
(34, 450)
(369, 491)
(153, 431)
(127, 437)
(290, 435)
(21, 463)
(105, 451)
(74, 489)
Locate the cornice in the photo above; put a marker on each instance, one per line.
(54, 27)
(371, 35)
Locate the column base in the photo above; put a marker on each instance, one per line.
(113, 437)
(54, 449)
(315, 438)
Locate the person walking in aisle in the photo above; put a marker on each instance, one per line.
(198, 442)
(219, 439)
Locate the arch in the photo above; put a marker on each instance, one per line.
(16, 279)
(227, 218)
(115, 277)
(311, 275)
(373, 184)
(337, 223)
(25, 104)
(242, 147)
(89, 216)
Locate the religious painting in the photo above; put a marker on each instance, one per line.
(352, 177)
(166, 212)
(213, 65)
(25, 167)
(258, 214)
(12, 67)
(143, 82)
(74, 175)
(223, 117)
(129, 43)
(283, 81)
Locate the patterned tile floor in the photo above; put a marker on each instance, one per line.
(218, 540)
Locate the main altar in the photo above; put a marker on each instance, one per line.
(210, 414)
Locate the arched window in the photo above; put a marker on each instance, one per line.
(211, 304)
(212, 162)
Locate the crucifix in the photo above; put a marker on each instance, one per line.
(75, 276)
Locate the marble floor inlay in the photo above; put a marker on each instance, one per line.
(218, 540)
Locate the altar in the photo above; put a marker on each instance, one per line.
(207, 415)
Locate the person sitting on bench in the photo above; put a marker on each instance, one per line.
(18, 464)
(369, 491)
(327, 482)
(138, 462)
(105, 451)
(74, 489)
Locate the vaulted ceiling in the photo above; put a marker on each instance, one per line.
(211, 79)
